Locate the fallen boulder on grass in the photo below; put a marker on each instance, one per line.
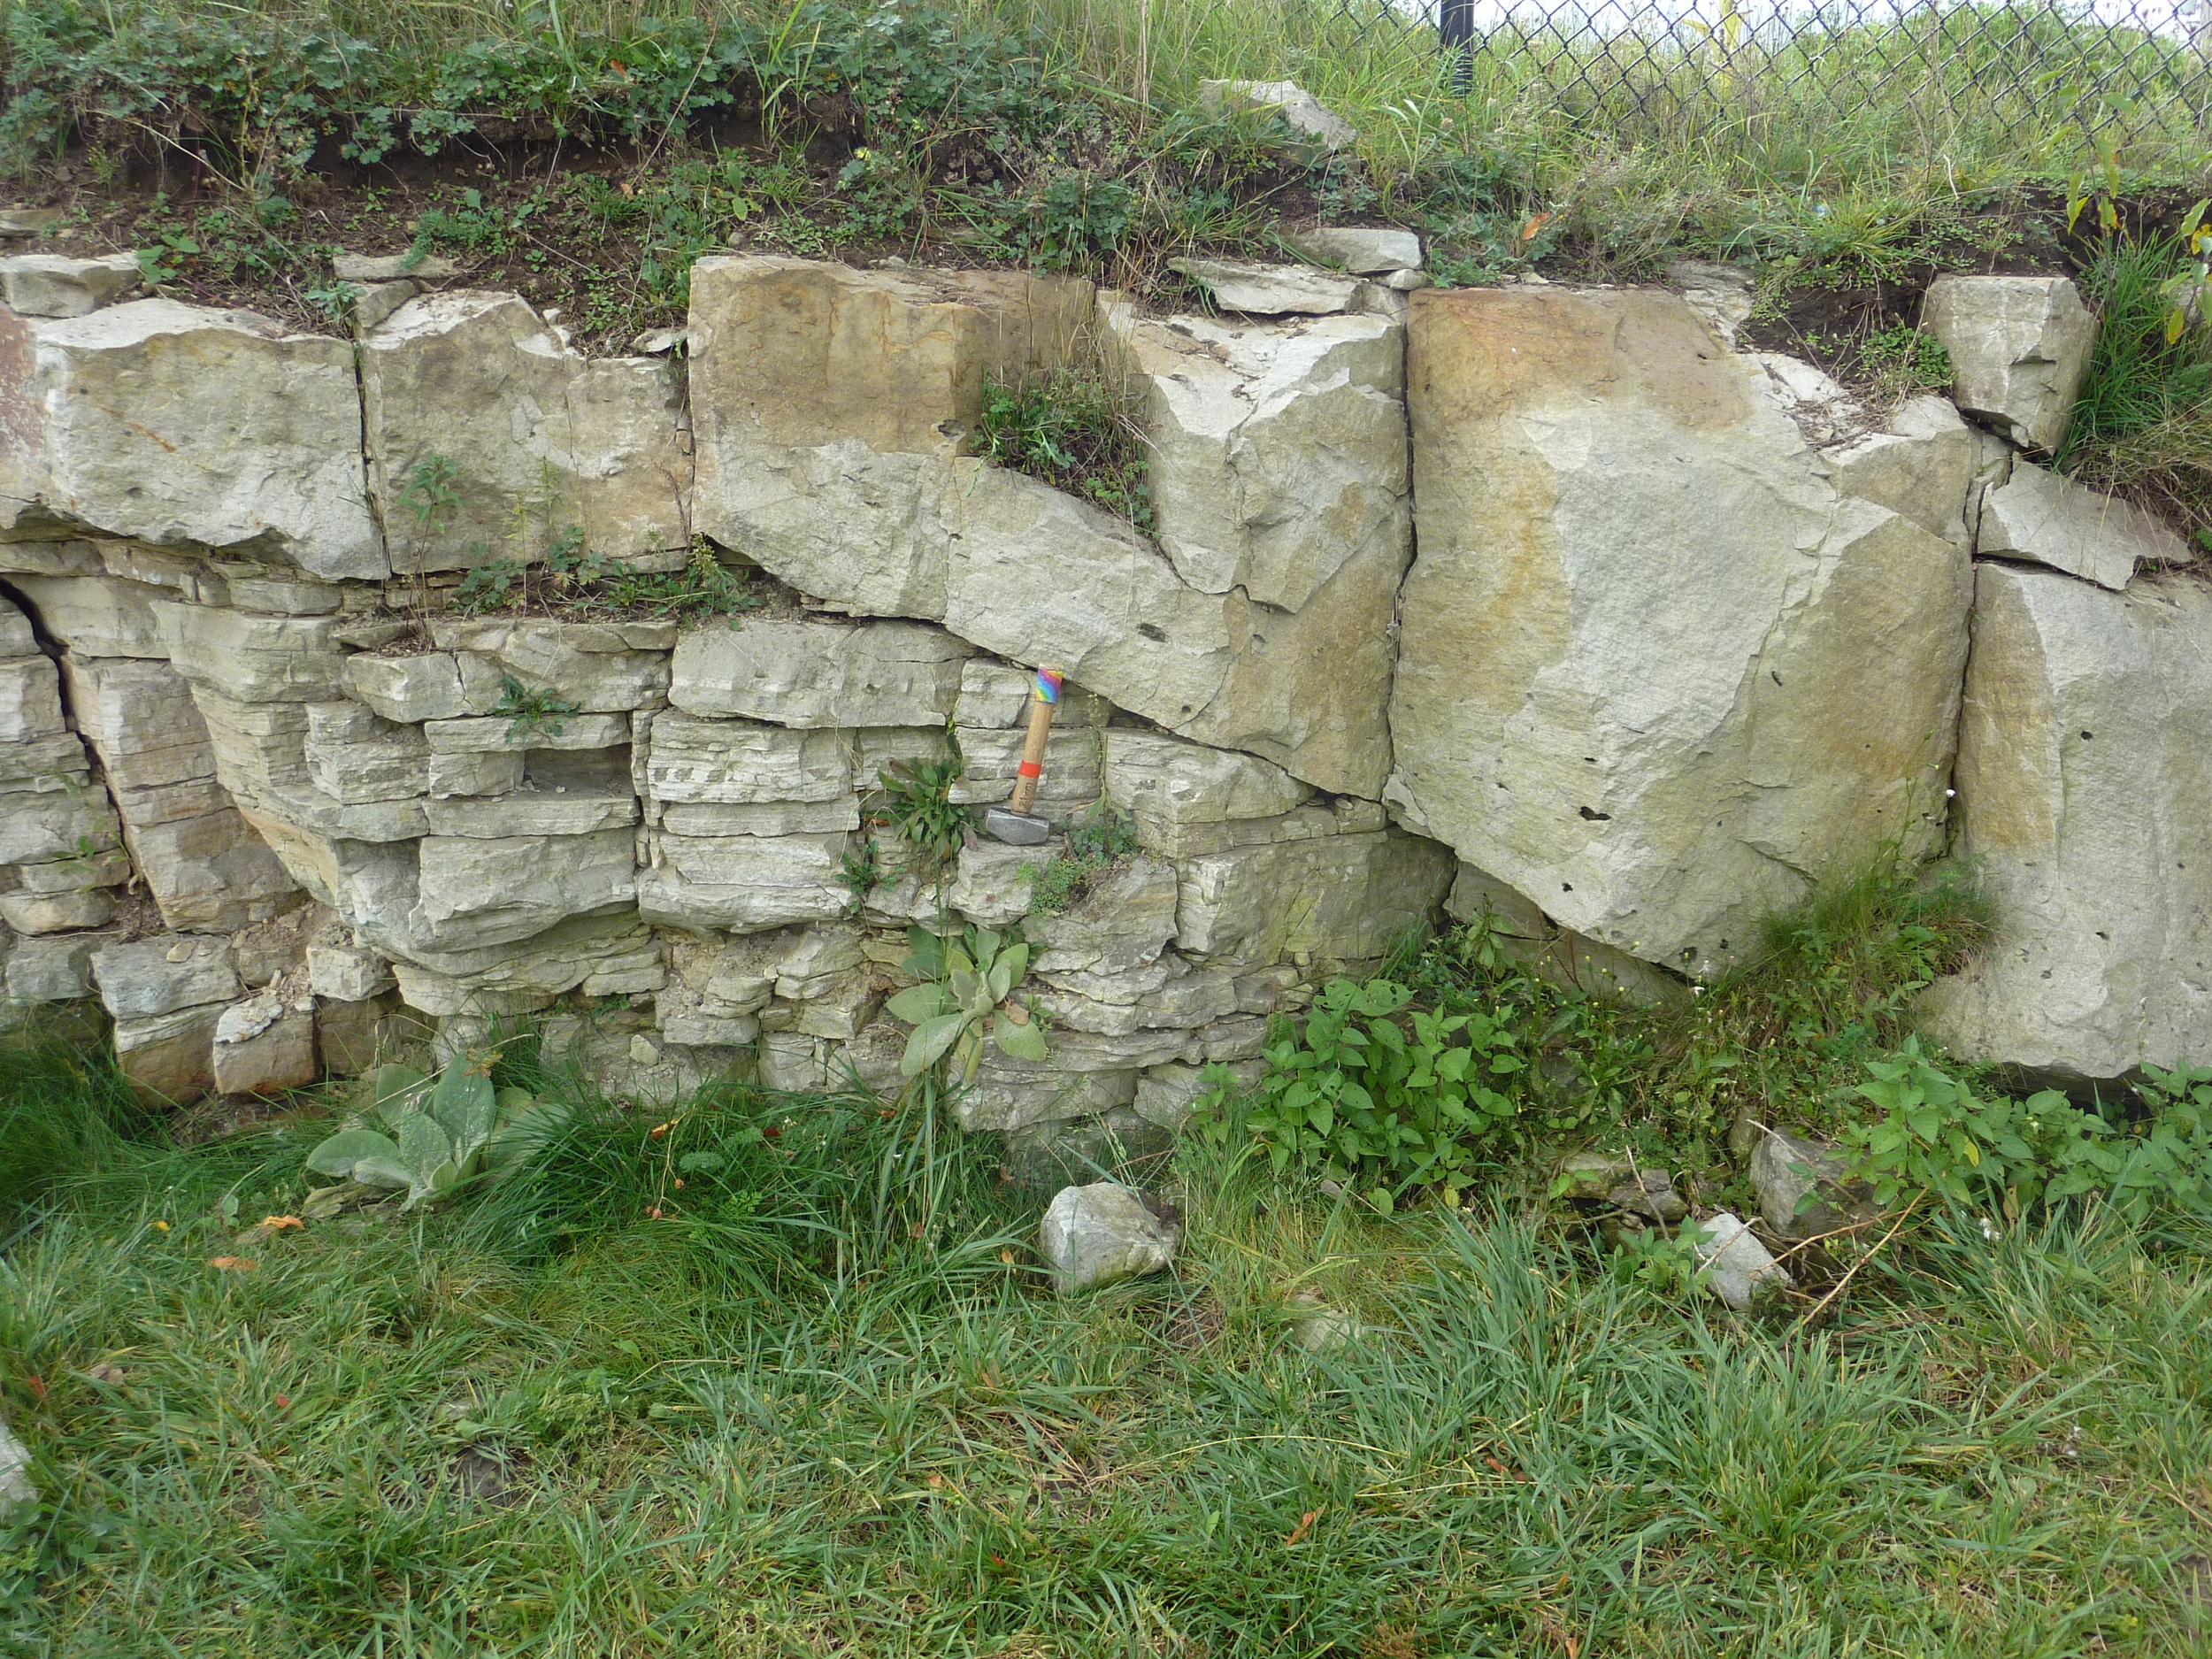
(1735, 1266)
(1104, 1233)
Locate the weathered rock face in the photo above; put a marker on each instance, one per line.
(1279, 454)
(2038, 516)
(177, 425)
(53, 285)
(1685, 633)
(2086, 802)
(852, 490)
(2019, 347)
(821, 673)
(1921, 466)
(534, 434)
(1272, 290)
(1362, 252)
(206, 870)
(1654, 672)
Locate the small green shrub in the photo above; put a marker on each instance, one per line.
(531, 711)
(496, 584)
(428, 493)
(859, 875)
(1380, 1096)
(917, 801)
(1904, 361)
(1078, 216)
(1665, 1264)
(574, 579)
(1937, 1138)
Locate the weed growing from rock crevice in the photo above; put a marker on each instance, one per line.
(1070, 428)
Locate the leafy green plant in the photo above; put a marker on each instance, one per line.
(859, 875)
(964, 998)
(164, 262)
(1904, 361)
(2160, 1160)
(1380, 1096)
(917, 801)
(429, 494)
(1934, 1137)
(704, 588)
(531, 711)
(1937, 1137)
(1663, 1263)
(496, 584)
(1070, 429)
(1101, 839)
(435, 1134)
(334, 301)
(1478, 250)
(1079, 215)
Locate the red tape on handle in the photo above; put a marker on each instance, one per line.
(1030, 769)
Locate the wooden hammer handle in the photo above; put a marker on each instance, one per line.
(1043, 695)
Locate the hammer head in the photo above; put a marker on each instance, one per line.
(1016, 829)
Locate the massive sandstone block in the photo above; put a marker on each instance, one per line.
(100, 616)
(1332, 899)
(176, 424)
(1278, 450)
(831, 405)
(537, 434)
(2085, 803)
(2019, 348)
(1654, 672)
(255, 659)
(478, 892)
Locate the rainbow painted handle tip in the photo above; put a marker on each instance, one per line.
(1048, 688)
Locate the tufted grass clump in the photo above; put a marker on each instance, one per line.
(1072, 429)
(2143, 426)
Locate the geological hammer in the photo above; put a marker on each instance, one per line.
(1014, 823)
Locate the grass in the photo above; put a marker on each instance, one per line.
(623, 1435)
(2143, 426)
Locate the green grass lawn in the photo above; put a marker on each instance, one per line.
(813, 1413)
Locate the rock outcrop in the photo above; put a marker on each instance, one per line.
(180, 426)
(1686, 632)
(2087, 807)
(855, 492)
(2041, 518)
(1655, 673)
(472, 394)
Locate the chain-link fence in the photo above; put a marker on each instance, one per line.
(2126, 71)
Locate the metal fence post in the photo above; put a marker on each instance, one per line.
(1455, 22)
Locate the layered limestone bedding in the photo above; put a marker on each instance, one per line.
(1549, 604)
